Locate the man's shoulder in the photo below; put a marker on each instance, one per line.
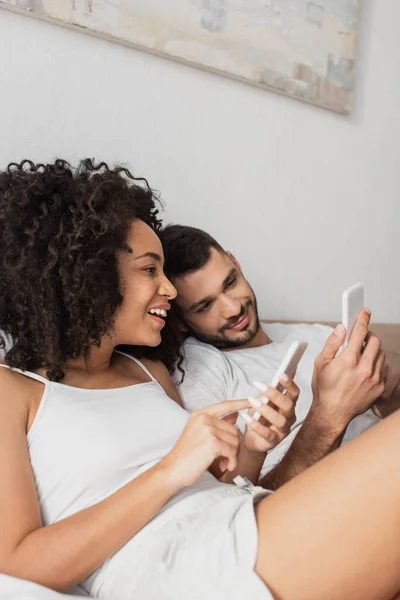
(193, 348)
(199, 357)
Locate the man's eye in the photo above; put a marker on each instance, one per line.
(231, 282)
(205, 307)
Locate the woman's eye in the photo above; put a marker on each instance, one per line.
(151, 270)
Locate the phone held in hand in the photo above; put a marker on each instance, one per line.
(289, 364)
(352, 304)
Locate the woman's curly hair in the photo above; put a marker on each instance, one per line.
(60, 229)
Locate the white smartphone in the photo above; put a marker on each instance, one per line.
(288, 366)
(352, 303)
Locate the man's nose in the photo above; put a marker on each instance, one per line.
(230, 307)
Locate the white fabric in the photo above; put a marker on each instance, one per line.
(130, 429)
(212, 376)
(8, 342)
(85, 444)
(12, 588)
(170, 565)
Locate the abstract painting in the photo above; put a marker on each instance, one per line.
(305, 49)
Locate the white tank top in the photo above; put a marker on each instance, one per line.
(85, 444)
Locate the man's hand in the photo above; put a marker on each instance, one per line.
(343, 386)
(347, 385)
(389, 402)
(278, 414)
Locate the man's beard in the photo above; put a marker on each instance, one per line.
(220, 340)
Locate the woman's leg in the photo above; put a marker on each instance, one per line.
(333, 533)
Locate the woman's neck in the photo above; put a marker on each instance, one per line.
(96, 361)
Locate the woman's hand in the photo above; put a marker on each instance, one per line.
(206, 437)
(278, 414)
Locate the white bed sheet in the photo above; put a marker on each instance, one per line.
(18, 589)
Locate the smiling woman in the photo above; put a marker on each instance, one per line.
(71, 243)
(146, 290)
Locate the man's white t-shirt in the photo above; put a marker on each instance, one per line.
(212, 376)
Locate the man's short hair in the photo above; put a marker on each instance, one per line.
(186, 249)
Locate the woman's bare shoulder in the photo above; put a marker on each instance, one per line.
(161, 374)
(156, 367)
(16, 390)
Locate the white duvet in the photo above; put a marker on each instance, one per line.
(18, 589)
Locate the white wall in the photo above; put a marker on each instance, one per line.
(308, 201)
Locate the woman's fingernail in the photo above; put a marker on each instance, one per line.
(367, 310)
(247, 417)
(264, 400)
(256, 416)
(254, 401)
(260, 386)
(284, 377)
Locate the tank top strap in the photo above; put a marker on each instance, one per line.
(27, 374)
(138, 362)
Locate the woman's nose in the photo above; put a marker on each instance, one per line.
(167, 289)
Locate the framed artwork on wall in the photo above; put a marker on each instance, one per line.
(304, 49)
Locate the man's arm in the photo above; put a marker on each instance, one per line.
(249, 465)
(314, 441)
(343, 387)
(276, 417)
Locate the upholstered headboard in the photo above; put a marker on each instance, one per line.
(389, 334)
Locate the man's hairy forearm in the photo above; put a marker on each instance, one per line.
(249, 465)
(314, 441)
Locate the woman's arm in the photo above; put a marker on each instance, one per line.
(259, 439)
(63, 554)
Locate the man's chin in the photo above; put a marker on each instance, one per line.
(238, 338)
(229, 338)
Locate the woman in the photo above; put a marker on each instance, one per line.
(104, 478)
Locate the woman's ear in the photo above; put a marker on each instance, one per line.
(233, 259)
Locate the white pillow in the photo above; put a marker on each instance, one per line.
(6, 349)
(13, 589)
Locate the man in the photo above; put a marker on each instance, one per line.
(228, 353)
